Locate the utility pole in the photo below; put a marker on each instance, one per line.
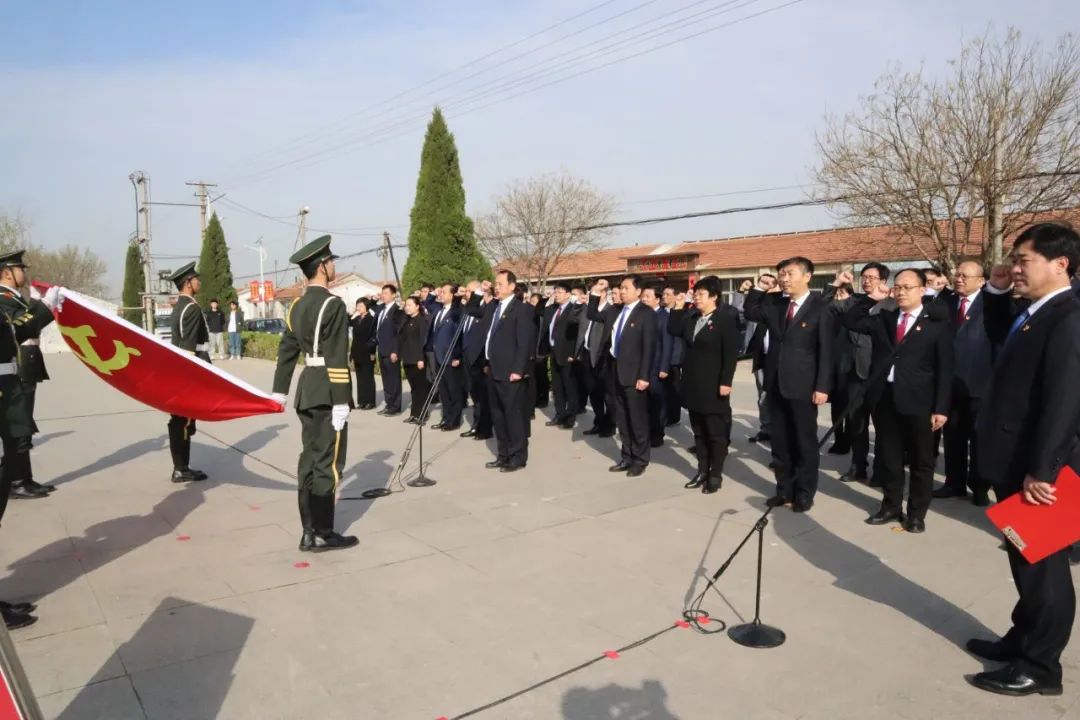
(258, 247)
(390, 253)
(141, 182)
(994, 207)
(384, 255)
(301, 233)
(204, 203)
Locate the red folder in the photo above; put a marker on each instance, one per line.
(1041, 530)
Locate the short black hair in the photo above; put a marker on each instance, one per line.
(367, 303)
(670, 286)
(390, 287)
(805, 263)
(538, 296)
(933, 269)
(562, 284)
(710, 284)
(919, 272)
(233, 302)
(213, 300)
(657, 288)
(521, 287)
(768, 275)
(1053, 240)
(427, 286)
(510, 276)
(634, 279)
(881, 269)
(580, 287)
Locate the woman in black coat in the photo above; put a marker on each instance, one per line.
(363, 354)
(412, 337)
(711, 334)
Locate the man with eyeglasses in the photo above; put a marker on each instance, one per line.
(974, 365)
(908, 394)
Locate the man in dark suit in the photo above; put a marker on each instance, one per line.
(754, 346)
(974, 364)
(387, 324)
(672, 403)
(508, 348)
(445, 347)
(473, 336)
(661, 367)
(1028, 430)
(798, 376)
(579, 297)
(908, 393)
(558, 340)
(594, 339)
(633, 337)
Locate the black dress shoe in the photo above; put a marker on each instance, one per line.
(494, 464)
(915, 525)
(695, 482)
(313, 542)
(23, 608)
(553, 422)
(451, 428)
(838, 449)
(606, 433)
(199, 474)
(1013, 680)
(621, 466)
(511, 468)
(881, 517)
(854, 475)
(568, 425)
(592, 431)
(692, 449)
(185, 476)
(801, 506)
(760, 438)
(948, 492)
(482, 436)
(34, 485)
(712, 485)
(437, 426)
(980, 499)
(471, 432)
(19, 491)
(635, 471)
(777, 501)
(391, 413)
(993, 650)
(15, 620)
(773, 464)
(384, 411)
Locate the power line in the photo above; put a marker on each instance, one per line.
(228, 202)
(714, 195)
(347, 256)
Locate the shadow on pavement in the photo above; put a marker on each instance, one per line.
(194, 688)
(611, 702)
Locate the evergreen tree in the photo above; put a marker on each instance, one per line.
(214, 268)
(442, 247)
(134, 285)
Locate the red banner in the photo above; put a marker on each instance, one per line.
(268, 291)
(253, 288)
(155, 373)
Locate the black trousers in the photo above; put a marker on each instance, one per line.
(365, 379)
(564, 385)
(452, 394)
(672, 385)
(632, 417)
(322, 461)
(794, 445)
(180, 431)
(838, 402)
(478, 390)
(961, 444)
(541, 383)
(712, 433)
(854, 433)
(657, 411)
(1042, 619)
(509, 407)
(595, 385)
(391, 383)
(899, 437)
(581, 377)
(419, 387)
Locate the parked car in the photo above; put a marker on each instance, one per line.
(162, 326)
(274, 326)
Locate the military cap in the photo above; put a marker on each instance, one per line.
(184, 274)
(315, 252)
(13, 259)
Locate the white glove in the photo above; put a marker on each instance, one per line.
(339, 414)
(53, 299)
(280, 398)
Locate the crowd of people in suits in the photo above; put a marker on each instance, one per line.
(918, 358)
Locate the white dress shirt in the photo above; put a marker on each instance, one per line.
(798, 306)
(913, 316)
(624, 315)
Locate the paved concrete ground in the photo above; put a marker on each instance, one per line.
(184, 602)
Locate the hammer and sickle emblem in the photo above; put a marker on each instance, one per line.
(80, 336)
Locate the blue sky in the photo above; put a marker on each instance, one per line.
(224, 91)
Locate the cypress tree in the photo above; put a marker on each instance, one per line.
(214, 268)
(442, 247)
(134, 285)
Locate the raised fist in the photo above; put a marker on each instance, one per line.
(746, 286)
(1001, 276)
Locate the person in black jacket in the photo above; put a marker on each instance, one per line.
(362, 354)
(633, 340)
(558, 340)
(539, 382)
(594, 337)
(908, 393)
(798, 376)
(412, 338)
(387, 324)
(473, 336)
(445, 346)
(1028, 429)
(215, 321)
(710, 335)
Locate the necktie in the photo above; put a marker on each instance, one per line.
(962, 315)
(551, 334)
(901, 327)
(1018, 323)
(381, 316)
(468, 324)
(700, 324)
(495, 319)
(588, 332)
(618, 332)
(439, 317)
(790, 312)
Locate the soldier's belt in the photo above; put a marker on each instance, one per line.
(313, 361)
(9, 368)
(33, 342)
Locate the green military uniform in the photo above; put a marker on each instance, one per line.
(29, 317)
(190, 333)
(317, 325)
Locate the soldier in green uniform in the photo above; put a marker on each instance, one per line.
(318, 325)
(31, 370)
(190, 333)
(15, 328)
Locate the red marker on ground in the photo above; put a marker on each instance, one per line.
(301, 565)
(682, 623)
(183, 538)
(611, 654)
